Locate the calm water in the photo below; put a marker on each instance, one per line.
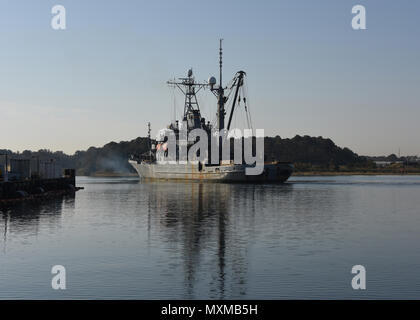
(120, 238)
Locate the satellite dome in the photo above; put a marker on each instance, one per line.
(212, 81)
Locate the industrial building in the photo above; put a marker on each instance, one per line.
(16, 169)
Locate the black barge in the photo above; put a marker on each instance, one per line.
(37, 189)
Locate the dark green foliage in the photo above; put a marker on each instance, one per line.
(306, 152)
(309, 150)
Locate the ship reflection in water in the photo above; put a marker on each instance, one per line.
(205, 219)
(124, 239)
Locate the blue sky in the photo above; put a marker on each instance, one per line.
(103, 78)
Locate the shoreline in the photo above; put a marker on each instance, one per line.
(295, 174)
(112, 175)
(355, 173)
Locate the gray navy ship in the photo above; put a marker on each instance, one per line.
(151, 165)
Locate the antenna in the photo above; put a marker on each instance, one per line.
(148, 135)
(220, 94)
(174, 98)
(220, 61)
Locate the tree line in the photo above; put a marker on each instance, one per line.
(305, 152)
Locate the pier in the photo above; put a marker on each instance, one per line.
(36, 189)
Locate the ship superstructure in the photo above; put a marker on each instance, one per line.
(154, 165)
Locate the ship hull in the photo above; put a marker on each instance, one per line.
(273, 172)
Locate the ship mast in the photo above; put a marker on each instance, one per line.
(189, 89)
(149, 137)
(220, 62)
(221, 95)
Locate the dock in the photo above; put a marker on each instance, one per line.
(27, 182)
